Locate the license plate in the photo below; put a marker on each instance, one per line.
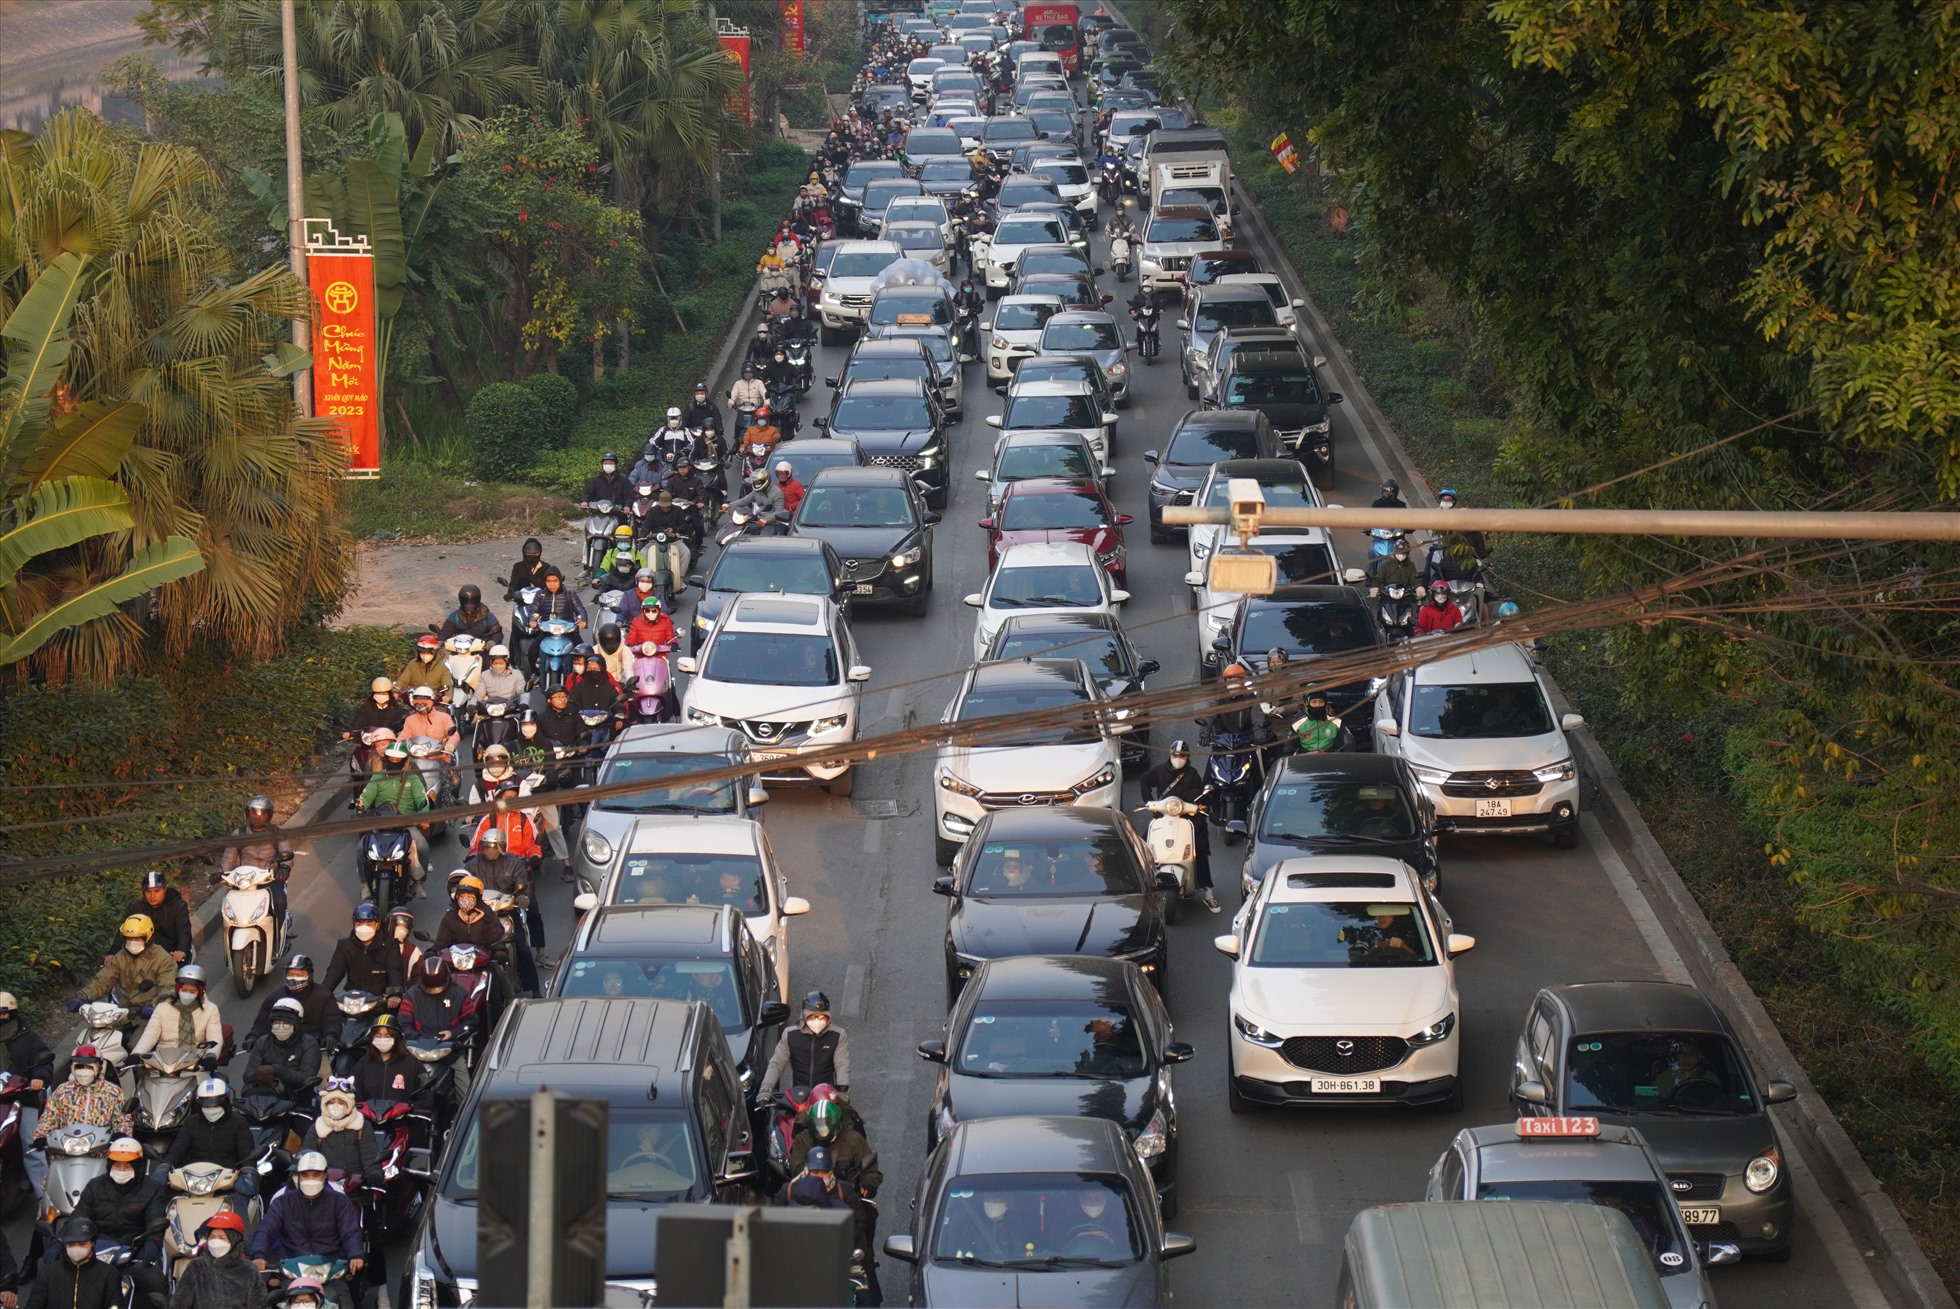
(1493, 808)
(1347, 1086)
(1701, 1215)
(767, 755)
(862, 588)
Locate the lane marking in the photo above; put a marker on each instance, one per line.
(874, 836)
(1658, 943)
(1821, 1217)
(854, 979)
(1306, 1211)
(895, 703)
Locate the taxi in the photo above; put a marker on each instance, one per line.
(1577, 1160)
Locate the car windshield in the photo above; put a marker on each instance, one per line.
(803, 574)
(804, 467)
(855, 506)
(921, 236)
(946, 170)
(1199, 445)
(1644, 1203)
(1007, 129)
(772, 659)
(1038, 1221)
(922, 67)
(1181, 229)
(1081, 336)
(710, 879)
(1049, 586)
(1031, 870)
(1020, 701)
(711, 981)
(1656, 1072)
(882, 413)
(1051, 1038)
(1061, 368)
(1020, 461)
(1385, 934)
(884, 368)
(1290, 492)
(889, 309)
(1272, 389)
(1052, 411)
(1307, 629)
(1030, 231)
(1214, 315)
(1296, 561)
(1102, 651)
(697, 797)
(880, 194)
(1486, 709)
(1023, 315)
(1317, 807)
(1064, 174)
(1052, 510)
(1072, 290)
(650, 1155)
(861, 263)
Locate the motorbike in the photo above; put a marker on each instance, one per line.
(1381, 541)
(598, 725)
(669, 560)
(713, 479)
(278, 1126)
(797, 350)
(77, 1155)
(782, 408)
(1109, 183)
(104, 1025)
(1119, 257)
(1467, 593)
(555, 650)
(198, 1190)
(256, 942)
(653, 685)
(398, 1193)
(426, 753)
(163, 1092)
(383, 861)
(608, 601)
(1147, 331)
(463, 658)
(496, 724)
(1229, 776)
(325, 1269)
(785, 1107)
(599, 524)
(520, 617)
(741, 524)
(755, 459)
(358, 1010)
(13, 1168)
(967, 329)
(443, 1059)
(361, 763)
(1396, 612)
(1173, 841)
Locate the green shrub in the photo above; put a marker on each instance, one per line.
(559, 399)
(506, 425)
(739, 213)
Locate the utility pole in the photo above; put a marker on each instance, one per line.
(295, 192)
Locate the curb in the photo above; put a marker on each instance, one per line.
(301, 818)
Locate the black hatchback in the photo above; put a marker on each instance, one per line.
(1307, 622)
(1202, 438)
(1343, 803)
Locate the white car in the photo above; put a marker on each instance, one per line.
(920, 209)
(1074, 766)
(783, 670)
(1479, 733)
(969, 129)
(1039, 577)
(847, 289)
(1174, 234)
(1015, 332)
(1286, 309)
(1061, 406)
(1343, 988)
(918, 76)
(1015, 233)
(1071, 178)
(1300, 555)
(921, 241)
(1282, 481)
(694, 859)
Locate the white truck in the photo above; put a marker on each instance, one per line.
(1187, 159)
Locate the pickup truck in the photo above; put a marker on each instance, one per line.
(1179, 158)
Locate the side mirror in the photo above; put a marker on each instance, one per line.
(858, 673)
(1778, 1091)
(971, 601)
(795, 907)
(1118, 597)
(1299, 304)
(1194, 579)
(1320, 361)
(1107, 298)
(943, 884)
(1147, 667)
(1124, 520)
(1570, 721)
(1177, 1052)
(1107, 473)
(1099, 273)
(933, 1052)
(830, 381)
(1001, 389)
(585, 902)
(1109, 420)
(932, 519)
(1388, 729)
(697, 581)
(1532, 1092)
(987, 523)
(772, 1013)
(967, 359)
(900, 1248)
(821, 424)
(419, 1163)
(758, 796)
(1460, 944)
(1227, 945)
(1176, 1245)
(685, 663)
(982, 475)
(1222, 643)
(1183, 324)
(1716, 1253)
(1150, 456)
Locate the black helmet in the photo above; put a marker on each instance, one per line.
(700, 386)
(608, 458)
(609, 634)
(299, 963)
(748, 370)
(154, 881)
(1389, 486)
(1181, 746)
(816, 1003)
(533, 548)
(75, 1228)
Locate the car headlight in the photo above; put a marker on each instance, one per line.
(834, 723)
(1433, 776)
(1116, 370)
(1095, 782)
(1108, 558)
(1000, 343)
(1763, 1170)
(906, 558)
(1562, 771)
(598, 849)
(1154, 1138)
(702, 718)
(1322, 426)
(1436, 1031)
(703, 622)
(1201, 550)
(948, 782)
(1254, 1033)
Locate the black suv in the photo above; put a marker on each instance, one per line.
(1307, 621)
(877, 522)
(898, 424)
(849, 203)
(784, 564)
(1202, 438)
(1340, 804)
(678, 1129)
(1284, 386)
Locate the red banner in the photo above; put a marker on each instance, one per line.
(738, 50)
(1283, 151)
(792, 12)
(345, 371)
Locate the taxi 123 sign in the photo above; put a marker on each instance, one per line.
(345, 369)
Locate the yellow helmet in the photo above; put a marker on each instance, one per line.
(471, 883)
(139, 925)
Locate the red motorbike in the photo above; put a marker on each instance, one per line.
(394, 1199)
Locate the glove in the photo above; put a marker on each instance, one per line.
(147, 1010)
(74, 1004)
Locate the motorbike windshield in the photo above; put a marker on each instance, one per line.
(693, 797)
(1051, 1038)
(882, 413)
(1487, 709)
(711, 981)
(1359, 935)
(1038, 1221)
(855, 506)
(1306, 629)
(772, 659)
(1052, 510)
(1321, 808)
(651, 1155)
(1081, 336)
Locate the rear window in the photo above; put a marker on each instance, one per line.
(1023, 317)
(1030, 231)
(932, 141)
(1220, 314)
(1181, 229)
(1064, 174)
(1208, 445)
(861, 263)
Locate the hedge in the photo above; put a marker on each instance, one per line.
(506, 430)
(559, 399)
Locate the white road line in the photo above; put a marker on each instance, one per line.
(874, 835)
(854, 979)
(1306, 1213)
(1821, 1221)
(895, 702)
(1636, 904)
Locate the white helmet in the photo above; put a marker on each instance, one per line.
(500, 652)
(310, 1162)
(673, 411)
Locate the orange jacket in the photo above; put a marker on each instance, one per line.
(520, 833)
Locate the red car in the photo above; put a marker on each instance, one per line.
(1207, 266)
(1059, 509)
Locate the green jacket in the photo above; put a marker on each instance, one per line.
(147, 978)
(404, 790)
(434, 675)
(1396, 572)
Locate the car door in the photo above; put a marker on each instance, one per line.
(1448, 1176)
(1533, 1057)
(1388, 712)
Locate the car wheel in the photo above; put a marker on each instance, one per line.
(1190, 390)
(1566, 838)
(1173, 907)
(828, 335)
(1158, 537)
(944, 851)
(842, 784)
(1237, 1103)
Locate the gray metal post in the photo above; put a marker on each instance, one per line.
(541, 1237)
(295, 193)
(740, 1260)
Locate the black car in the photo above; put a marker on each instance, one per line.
(1065, 1035)
(1202, 438)
(876, 360)
(1061, 880)
(879, 527)
(1286, 389)
(682, 952)
(898, 424)
(1027, 1211)
(1661, 1057)
(1307, 621)
(1097, 640)
(848, 205)
(788, 564)
(1342, 803)
(945, 177)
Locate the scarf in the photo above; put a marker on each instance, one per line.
(327, 1126)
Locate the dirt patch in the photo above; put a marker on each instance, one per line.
(411, 585)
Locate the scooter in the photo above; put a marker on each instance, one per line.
(399, 1193)
(599, 526)
(277, 1126)
(256, 942)
(325, 1269)
(741, 524)
(443, 1058)
(782, 408)
(198, 1190)
(463, 658)
(555, 650)
(608, 601)
(1381, 542)
(1147, 331)
(527, 604)
(358, 1010)
(383, 863)
(104, 1027)
(1229, 776)
(77, 1155)
(669, 559)
(496, 724)
(427, 752)
(1173, 841)
(1119, 257)
(653, 685)
(796, 350)
(13, 1166)
(163, 1092)
(1468, 596)
(1396, 612)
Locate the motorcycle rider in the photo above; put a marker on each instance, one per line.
(400, 787)
(607, 484)
(426, 669)
(1123, 223)
(1318, 731)
(75, 1279)
(308, 1217)
(285, 1059)
(815, 1052)
(853, 1161)
(387, 1071)
(529, 571)
(383, 710)
(1396, 569)
(267, 846)
(648, 468)
(189, 1022)
(216, 1134)
(1440, 614)
(86, 1097)
(169, 914)
(341, 1135)
(499, 679)
(621, 550)
(636, 599)
(652, 624)
(763, 431)
(142, 970)
(777, 371)
(558, 601)
(673, 440)
(365, 961)
(436, 1009)
(126, 1205)
(469, 923)
(764, 501)
(471, 617)
(689, 484)
(1391, 496)
(399, 931)
(760, 348)
(500, 870)
(701, 413)
(611, 647)
(745, 397)
(793, 491)
(967, 304)
(24, 1054)
(431, 719)
(218, 1276)
(1175, 776)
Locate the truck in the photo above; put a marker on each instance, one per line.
(1059, 28)
(1186, 159)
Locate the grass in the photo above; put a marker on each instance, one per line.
(425, 492)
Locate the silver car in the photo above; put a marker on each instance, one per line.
(1212, 310)
(1058, 407)
(847, 288)
(1015, 332)
(1175, 235)
(1096, 335)
(647, 752)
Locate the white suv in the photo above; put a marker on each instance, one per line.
(1343, 989)
(784, 670)
(847, 290)
(1042, 576)
(1479, 733)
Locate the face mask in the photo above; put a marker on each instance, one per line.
(336, 1110)
(380, 702)
(1180, 760)
(394, 765)
(816, 1023)
(312, 1186)
(282, 1031)
(609, 469)
(217, 1246)
(187, 998)
(528, 730)
(401, 932)
(80, 1253)
(212, 1113)
(136, 946)
(84, 1076)
(384, 1043)
(996, 1209)
(298, 984)
(1316, 711)
(1402, 554)
(426, 656)
(364, 932)
(645, 587)
(122, 1175)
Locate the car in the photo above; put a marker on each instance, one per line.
(1341, 803)
(1479, 732)
(878, 197)
(1285, 308)
(1200, 439)
(649, 751)
(1076, 290)
(785, 670)
(909, 306)
(705, 860)
(1270, 347)
(1055, 879)
(920, 241)
(920, 208)
(847, 286)
(1058, 406)
(1062, 1034)
(1004, 130)
(677, 1131)
(681, 952)
(1661, 1057)
(1214, 198)
(969, 129)
(1174, 235)
(784, 564)
(880, 359)
(1059, 509)
(1579, 1160)
(953, 81)
(1072, 183)
(1096, 335)
(898, 424)
(848, 203)
(1073, 369)
(1300, 555)
(1056, 258)
(1056, 98)
(1075, 765)
(1095, 639)
(1309, 622)
(1019, 455)
(1073, 225)
(1207, 266)
(946, 177)
(1029, 1172)
(1125, 98)
(1343, 988)
(1055, 125)
(945, 356)
(996, 256)
(876, 521)
(1287, 390)
(1015, 331)
(1283, 482)
(918, 74)
(886, 95)
(1027, 578)
(1213, 310)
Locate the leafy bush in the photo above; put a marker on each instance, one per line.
(559, 399)
(506, 425)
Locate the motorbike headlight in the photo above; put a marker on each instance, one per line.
(1433, 776)
(1096, 781)
(200, 1185)
(948, 782)
(1254, 1033)
(231, 915)
(76, 1145)
(834, 723)
(906, 558)
(1436, 1031)
(702, 718)
(1562, 771)
(1763, 1170)
(598, 849)
(1154, 1138)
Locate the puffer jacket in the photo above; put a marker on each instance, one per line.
(62, 1285)
(297, 1224)
(147, 978)
(226, 1143)
(434, 675)
(167, 1027)
(227, 1283)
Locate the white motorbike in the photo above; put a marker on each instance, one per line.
(463, 658)
(599, 526)
(199, 1190)
(103, 1027)
(77, 1155)
(256, 943)
(163, 1097)
(1173, 840)
(1119, 257)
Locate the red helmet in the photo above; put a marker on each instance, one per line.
(225, 1221)
(427, 641)
(761, 412)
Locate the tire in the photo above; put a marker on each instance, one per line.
(1173, 906)
(1566, 838)
(944, 851)
(1168, 1207)
(1774, 1256)
(244, 972)
(1237, 1103)
(1230, 837)
(1191, 393)
(384, 896)
(828, 335)
(842, 784)
(1160, 538)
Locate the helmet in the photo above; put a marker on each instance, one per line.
(495, 752)
(499, 652)
(761, 477)
(608, 458)
(1234, 670)
(310, 1162)
(818, 1160)
(673, 411)
(816, 1003)
(138, 925)
(470, 883)
(624, 532)
(434, 974)
(783, 466)
(700, 386)
(826, 1119)
(762, 330)
(124, 1148)
(399, 912)
(762, 413)
(1389, 486)
(533, 548)
(470, 594)
(386, 1022)
(1181, 746)
(379, 686)
(1509, 609)
(214, 1091)
(395, 750)
(428, 641)
(421, 693)
(225, 1221)
(748, 370)
(364, 912)
(259, 804)
(300, 963)
(1316, 693)
(285, 1004)
(75, 1228)
(153, 880)
(305, 1286)
(1276, 658)
(495, 836)
(192, 973)
(85, 1054)
(1447, 493)
(644, 575)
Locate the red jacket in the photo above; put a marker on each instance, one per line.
(1432, 619)
(792, 494)
(659, 628)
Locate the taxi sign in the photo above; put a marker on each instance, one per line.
(915, 320)
(1558, 1127)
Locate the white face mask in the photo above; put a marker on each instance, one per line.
(384, 1043)
(136, 945)
(337, 1110)
(212, 1113)
(282, 1031)
(122, 1173)
(80, 1253)
(815, 1024)
(217, 1246)
(312, 1186)
(364, 932)
(188, 998)
(84, 1076)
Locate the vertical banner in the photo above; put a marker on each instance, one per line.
(1283, 151)
(792, 12)
(346, 369)
(735, 41)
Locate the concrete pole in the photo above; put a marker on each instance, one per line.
(295, 192)
(1603, 522)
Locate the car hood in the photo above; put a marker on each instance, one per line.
(1478, 754)
(836, 286)
(754, 700)
(1062, 1289)
(1127, 1104)
(1100, 539)
(1701, 1144)
(1000, 929)
(887, 440)
(860, 542)
(1012, 769)
(1181, 477)
(1342, 1001)
(630, 1230)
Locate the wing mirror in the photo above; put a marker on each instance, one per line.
(758, 796)
(821, 424)
(1460, 944)
(773, 1013)
(1299, 304)
(858, 673)
(1716, 1253)
(933, 1052)
(685, 663)
(932, 519)
(1532, 1092)
(1176, 1245)
(830, 382)
(1571, 721)
(419, 1163)
(1118, 597)
(899, 1247)
(1194, 579)
(1124, 520)
(994, 420)
(1227, 945)
(943, 884)
(1147, 667)
(697, 581)
(795, 907)
(987, 523)
(1778, 1091)
(1177, 1052)
(1336, 398)
(1388, 729)
(1320, 361)
(982, 475)
(1109, 420)
(1150, 456)
(585, 902)
(1183, 324)
(971, 601)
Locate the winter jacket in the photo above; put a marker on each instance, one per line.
(650, 626)
(373, 966)
(599, 692)
(525, 573)
(563, 604)
(856, 1162)
(561, 728)
(1396, 572)
(349, 1143)
(507, 873)
(172, 920)
(426, 1015)
(325, 1224)
(63, 1285)
(508, 684)
(171, 1024)
(23, 1051)
(434, 674)
(398, 1078)
(810, 1060)
(227, 1283)
(369, 717)
(294, 1064)
(404, 790)
(613, 486)
(319, 1016)
(100, 1105)
(147, 978)
(520, 833)
(226, 1143)
(482, 625)
(486, 934)
(1438, 618)
(125, 1215)
(437, 724)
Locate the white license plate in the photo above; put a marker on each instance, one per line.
(1347, 1086)
(1701, 1215)
(862, 588)
(1493, 808)
(767, 755)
